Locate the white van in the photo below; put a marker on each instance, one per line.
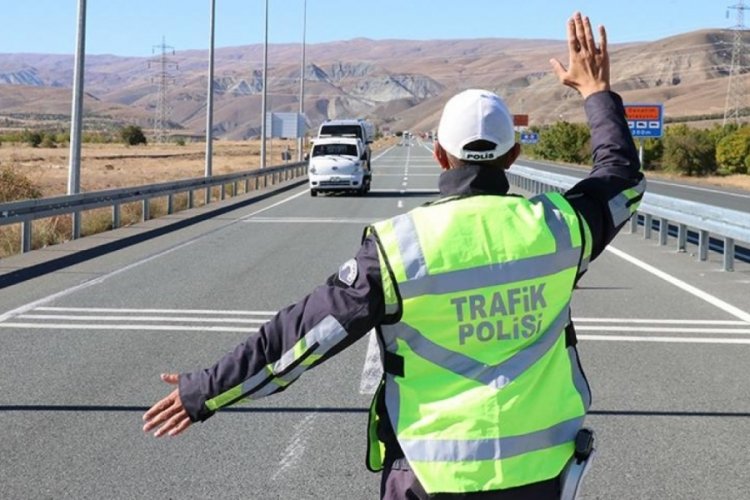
(338, 164)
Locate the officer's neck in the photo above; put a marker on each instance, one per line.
(473, 179)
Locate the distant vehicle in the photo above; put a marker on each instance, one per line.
(361, 129)
(338, 164)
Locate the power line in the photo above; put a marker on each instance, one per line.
(735, 90)
(165, 66)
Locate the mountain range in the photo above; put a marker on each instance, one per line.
(398, 84)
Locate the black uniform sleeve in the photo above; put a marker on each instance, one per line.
(299, 337)
(612, 191)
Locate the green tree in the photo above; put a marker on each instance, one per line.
(689, 151)
(733, 151)
(132, 135)
(563, 141)
(32, 138)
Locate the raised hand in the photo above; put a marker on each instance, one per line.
(588, 67)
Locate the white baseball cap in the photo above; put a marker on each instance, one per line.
(474, 115)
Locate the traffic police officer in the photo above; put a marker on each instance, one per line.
(483, 395)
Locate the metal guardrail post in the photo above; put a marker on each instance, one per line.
(207, 196)
(115, 216)
(648, 221)
(663, 231)
(26, 236)
(634, 223)
(681, 237)
(223, 192)
(170, 204)
(191, 199)
(703, 245)
(247, 184)
(146, 210)
(76, 221)
(728, 254)
(235, 187)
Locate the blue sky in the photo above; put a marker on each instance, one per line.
(133, 27)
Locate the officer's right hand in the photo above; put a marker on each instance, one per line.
(169, 415)
(588, 68)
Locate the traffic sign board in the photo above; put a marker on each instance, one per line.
(645, 120)
(529, 137)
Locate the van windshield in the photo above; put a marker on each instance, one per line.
(335, 149)
(342, 131)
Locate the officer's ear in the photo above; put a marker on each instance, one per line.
(441, 156)
(512, 155)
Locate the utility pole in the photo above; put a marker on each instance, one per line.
(735, 91)
(264, 104)
(76, 117)
(210, 92)
(301, 140)
(164, 77)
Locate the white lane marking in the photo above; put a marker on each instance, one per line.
(587, 328)
(100, 279)
(382, 154)
(400, 204)
(426, 192)
(670, 340)
(724, 306)
(309, 220)
(76, 317)
(413, 175)
(107, 326)
(296, 447)
(661, 321)
(157, 311)
(373, 368)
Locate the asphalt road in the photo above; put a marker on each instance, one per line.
(664, 340)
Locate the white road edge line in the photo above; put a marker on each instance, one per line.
(76, 317)
(107, 326)
(100, 279)
(157, 311)
(724, 306)
(670, 340)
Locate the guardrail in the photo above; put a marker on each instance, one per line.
(25, 212)
(661, 213)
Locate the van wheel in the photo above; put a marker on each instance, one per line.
(313, 193)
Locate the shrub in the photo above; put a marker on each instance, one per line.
(733, 151)
(15, 186)
(689, 151)
(132, 135)
(563, 141)
(32, 138)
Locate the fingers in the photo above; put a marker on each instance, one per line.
(176, 424)
(602, 39)
(170, 378)
(558, 68)
(589, 35)
(572, 39)
(580, 32)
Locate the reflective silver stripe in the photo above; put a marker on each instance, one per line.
(327, 334)
(454, 450)
(391, 309)
(412, 256)
(491, 274)
(392, 400)
(579, 380)
(555, 221)
(493, 375)
(618, 206)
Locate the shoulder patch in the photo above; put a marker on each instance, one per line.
(348, 272)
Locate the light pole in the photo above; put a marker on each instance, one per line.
(76, 115)
(263, 103)
(301, 140)
(210, 92)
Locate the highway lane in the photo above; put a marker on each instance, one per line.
(734, 199)
(666, 357)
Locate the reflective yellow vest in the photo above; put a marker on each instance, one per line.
(487, 394)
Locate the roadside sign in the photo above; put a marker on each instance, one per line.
(520, 120)
(529, 137)
(645, 120)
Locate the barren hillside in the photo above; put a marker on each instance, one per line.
(398, 83)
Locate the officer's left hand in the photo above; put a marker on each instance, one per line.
(169, 412)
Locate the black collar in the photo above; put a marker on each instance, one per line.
(473, 179)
